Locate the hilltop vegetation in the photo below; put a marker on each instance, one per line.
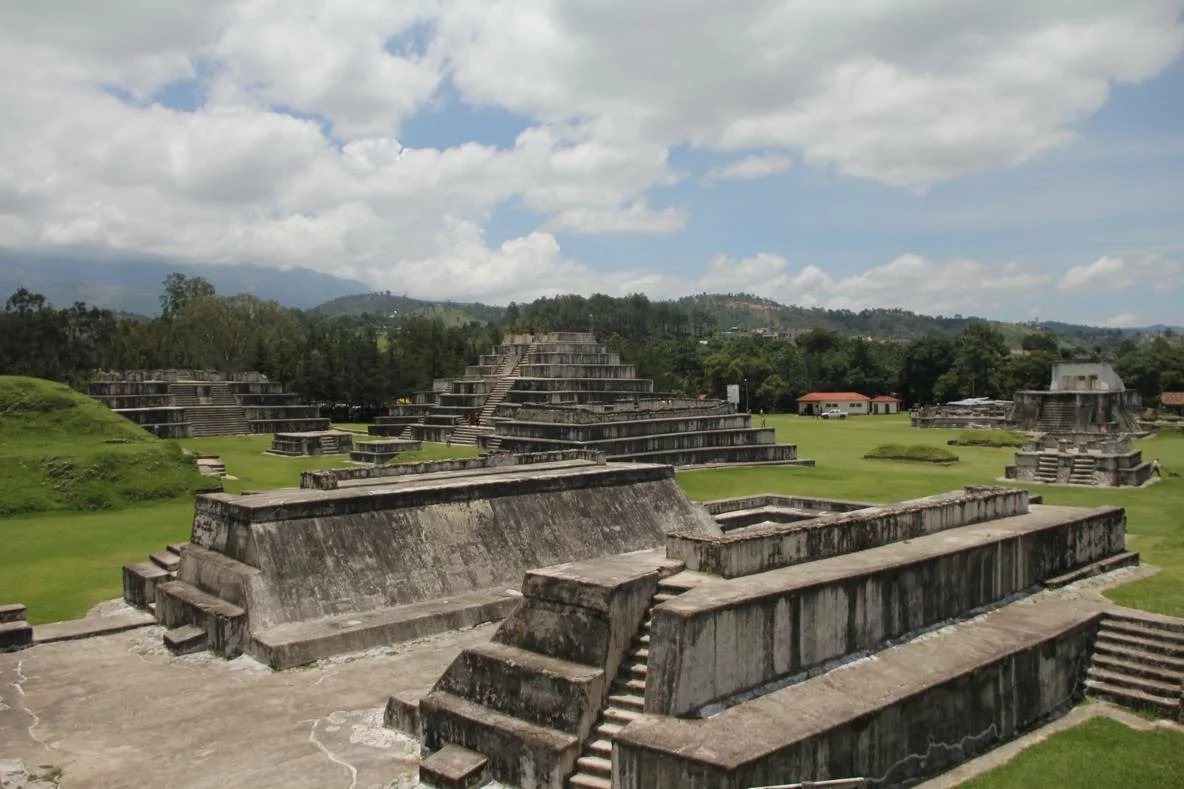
(60, 450)
(386, 304)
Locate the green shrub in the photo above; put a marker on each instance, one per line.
(923, 453)
(991, 438)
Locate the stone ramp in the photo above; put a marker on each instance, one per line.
(973, 685)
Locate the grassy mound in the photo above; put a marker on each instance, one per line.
(922, 453)
(991, 438)
(60, 450)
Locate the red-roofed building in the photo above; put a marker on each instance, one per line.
(850, 403)
(885, 404)
(1173, 401)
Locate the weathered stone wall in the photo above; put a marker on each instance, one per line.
(916, 711)
(323, 553)
(329, 479)
(759, 549)
(1070, 411)
(717, 641)
(647, 423)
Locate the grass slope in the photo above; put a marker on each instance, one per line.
(1097, 754)
(60, 564)
(60, 450)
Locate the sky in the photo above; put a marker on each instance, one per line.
(1017, 159)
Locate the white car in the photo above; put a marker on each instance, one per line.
(834, 413)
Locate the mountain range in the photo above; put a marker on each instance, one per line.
(133, 286)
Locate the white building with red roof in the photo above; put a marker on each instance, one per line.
(850, 403)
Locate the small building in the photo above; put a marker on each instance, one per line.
(850, 403)
(1173, 401)
(885, 404)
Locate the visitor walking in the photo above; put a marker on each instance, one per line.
(1155, 468)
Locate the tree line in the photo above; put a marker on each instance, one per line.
(370, 360)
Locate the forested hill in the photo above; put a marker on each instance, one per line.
(709, 313)
(386, 304)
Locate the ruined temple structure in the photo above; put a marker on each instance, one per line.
(680, 432)
(371, 555)
(800, 640)
(976, 413)
(1083, 397)
(564, 390)
(1097, 459)
(194, 403)
(555, 368)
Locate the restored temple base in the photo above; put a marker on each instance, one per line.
(1081, 459)
(196, 403)
(379, 452)
(374, 555)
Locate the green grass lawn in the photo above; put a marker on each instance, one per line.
(1098, 754)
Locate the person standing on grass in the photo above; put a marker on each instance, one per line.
(1155, 468)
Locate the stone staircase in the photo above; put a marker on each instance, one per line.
(1082, 471)
(214, 420)
(140, 579)
(469, 434)
(1046, 468)
(332, 445)
(1056, 417)
(1138, 662)
(625, 703)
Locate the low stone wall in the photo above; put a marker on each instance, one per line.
(717, 641)
(916, 711)
(328, 479)
(326, 442)
(307, 425)
(758, 549)
(616, 426)
(379, 452)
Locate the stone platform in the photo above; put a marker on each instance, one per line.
(379, 452)
(387, 554)
(312, 442)
(1093, 459)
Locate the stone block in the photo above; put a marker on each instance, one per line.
(139, 583)
(185, 640)
(13, 612)
(454, 767)
(402, 712)
(519, 751)
(547, 691)
(15, 634)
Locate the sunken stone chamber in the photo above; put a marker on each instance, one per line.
(381, 555)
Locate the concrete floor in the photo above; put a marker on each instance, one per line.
(119, 711)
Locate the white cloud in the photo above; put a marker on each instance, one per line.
(910, 282)
(294, 155)
(1121, 321)
(1106, 273)
(750, 168)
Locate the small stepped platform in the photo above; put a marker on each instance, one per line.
(179, 603)
(185, 640)
(379, 452)
(454, 767)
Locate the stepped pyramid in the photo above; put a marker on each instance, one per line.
(196, 403)
(565, 390)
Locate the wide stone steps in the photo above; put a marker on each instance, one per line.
(1139, 663)
(625, 703)
(141, 578)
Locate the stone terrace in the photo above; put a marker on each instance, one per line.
(604, 671)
